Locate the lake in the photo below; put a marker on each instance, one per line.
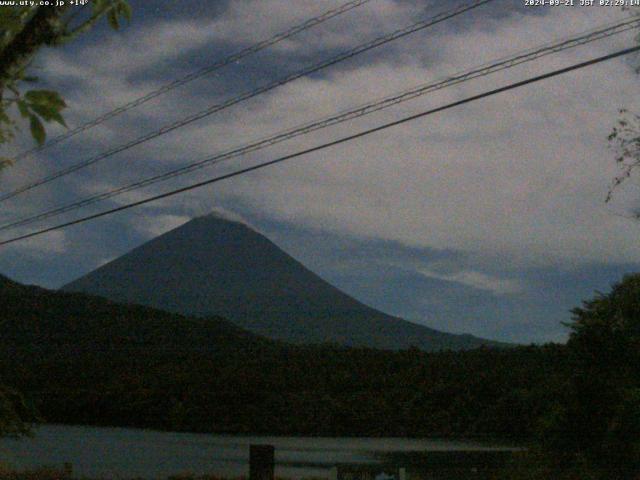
(126, 453)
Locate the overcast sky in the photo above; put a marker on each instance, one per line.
(488, 218)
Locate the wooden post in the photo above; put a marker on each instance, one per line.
(261, 462)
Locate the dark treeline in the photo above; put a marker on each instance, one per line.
(84, 360)
(311, 392)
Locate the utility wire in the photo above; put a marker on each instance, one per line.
(250, 94)
(323, 146)
(312, 22)
(483, 70)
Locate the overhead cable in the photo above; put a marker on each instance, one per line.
(324, 146)
(360, 111)
(248, 95)
(233, 58)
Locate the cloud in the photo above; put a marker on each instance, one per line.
(477, 280)
(520, 176)
(52, 243)
(159, 224)
(338, 32)
(511, 183)
(224, 213)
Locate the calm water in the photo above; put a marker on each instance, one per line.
(126, 453)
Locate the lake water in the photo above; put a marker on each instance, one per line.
(126, 453)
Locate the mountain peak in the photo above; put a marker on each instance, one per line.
(225, 215)
(218, 265)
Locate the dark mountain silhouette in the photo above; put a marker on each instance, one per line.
(6, 284)
(38, 318)
(84, 360)
(215, 266)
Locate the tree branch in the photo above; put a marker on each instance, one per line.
(41, 29)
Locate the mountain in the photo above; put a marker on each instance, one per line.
(6, 284)
(37, 318)
(216, 266)
(84, 360)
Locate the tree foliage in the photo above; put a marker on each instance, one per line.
(597, 418)
(16, 414)
(85, 360)
(624, 138)
(24, 30)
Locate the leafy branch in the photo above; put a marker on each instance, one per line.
(36, 107)
(24, 31)
(624, 139)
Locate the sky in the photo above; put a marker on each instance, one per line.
(487, 219)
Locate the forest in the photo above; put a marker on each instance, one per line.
(78, 359)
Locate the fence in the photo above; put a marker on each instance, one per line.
(430, 465)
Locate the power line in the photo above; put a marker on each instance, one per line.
(312, 22)
(323, 146)
(483, 70)
(250, 94)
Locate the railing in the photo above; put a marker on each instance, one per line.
(450, 465)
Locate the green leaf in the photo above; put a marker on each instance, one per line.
(112, 17)
(56, 117)
(37, 130)
(124, 10)
(47, 97)
(23, 108)
(9, 21)
(48, 113)
(99, 6)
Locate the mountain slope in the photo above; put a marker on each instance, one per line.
(215, 266)
(84, 360)
(41, 319)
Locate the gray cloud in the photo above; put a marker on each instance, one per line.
(509, 184)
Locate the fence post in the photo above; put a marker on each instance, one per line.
(261, 462)
(333, 473)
